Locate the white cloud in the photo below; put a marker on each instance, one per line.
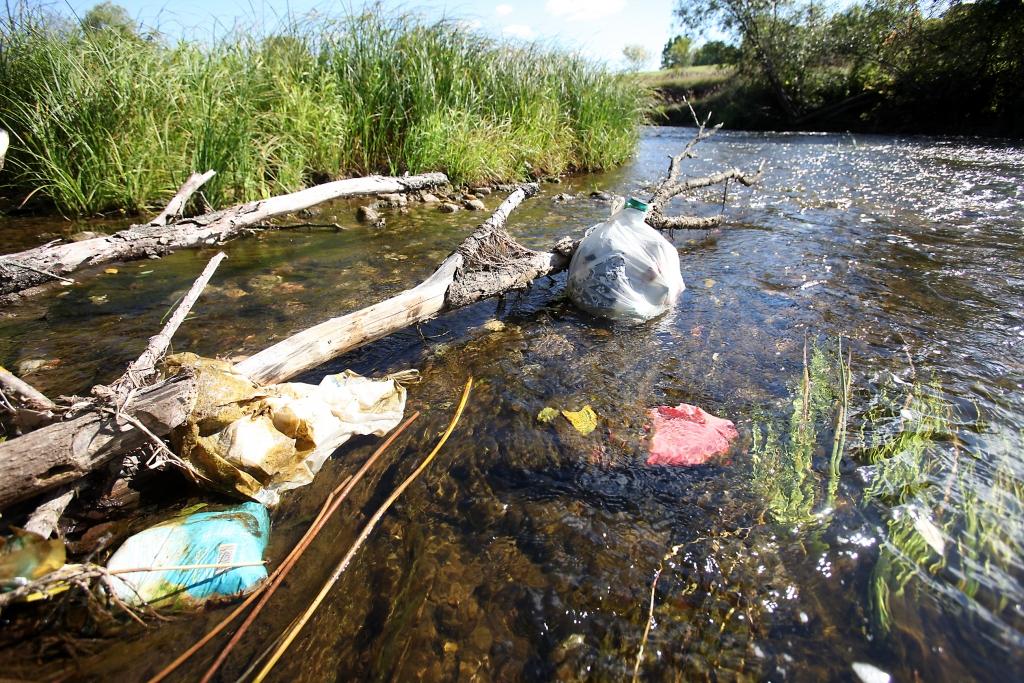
(504, 10)
(519, 31)
(584, 10)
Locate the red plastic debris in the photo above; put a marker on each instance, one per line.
(686, 435)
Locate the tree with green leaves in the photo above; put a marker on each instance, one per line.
(636, 56)
(716, 52)
(109, 17)
(761, 25)
(676, 53)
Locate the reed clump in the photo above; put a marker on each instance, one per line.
(108, 120)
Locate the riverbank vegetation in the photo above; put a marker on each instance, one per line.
(877, 65)
(105, 118)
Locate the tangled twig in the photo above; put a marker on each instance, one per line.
(673, 185)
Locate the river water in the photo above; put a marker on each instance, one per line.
(527, 551)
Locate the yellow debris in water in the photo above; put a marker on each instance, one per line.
(584, 420)
(111, 271)
(547, 414)
(709, 283)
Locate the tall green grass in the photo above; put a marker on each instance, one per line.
(102, 121)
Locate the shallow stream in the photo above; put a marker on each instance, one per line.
(527, 551)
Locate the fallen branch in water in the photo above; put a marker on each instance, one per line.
(41, 265)
(23, 392)
(25, 405)
(176, 206)
(672, 186)
(65, 451)
(142, 369)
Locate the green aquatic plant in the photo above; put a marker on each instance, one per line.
(783, 455)
(100, 120)
(954, 519)
(897, 433)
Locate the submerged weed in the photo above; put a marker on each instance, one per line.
(783, 456)
(954, 519)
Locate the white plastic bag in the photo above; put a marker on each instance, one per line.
(624, 269)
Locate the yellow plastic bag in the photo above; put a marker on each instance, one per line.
(258, 441)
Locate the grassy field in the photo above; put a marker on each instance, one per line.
(101, 121)
(699, 84)
(689, 79)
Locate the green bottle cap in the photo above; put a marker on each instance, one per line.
(634, 203)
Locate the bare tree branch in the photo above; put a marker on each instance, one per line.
(178, 201)
(673, 186)
(144, 367)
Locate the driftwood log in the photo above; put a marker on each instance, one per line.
(26, 407)
(45, 264)
(487, 263)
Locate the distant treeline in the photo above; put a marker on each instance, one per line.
(105, 117)
(883, 65)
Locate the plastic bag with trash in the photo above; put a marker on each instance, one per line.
(27, 556)
(624, 269)
(258, 441)
(209, 552)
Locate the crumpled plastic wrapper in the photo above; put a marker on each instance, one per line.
(257, 441)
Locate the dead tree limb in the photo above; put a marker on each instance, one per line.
(64, 452)
(28, 408)
(177, 204)
(34, 267)
(673, 186)
(141, 370)
(44, 520)
(488, 262)
(23, 392)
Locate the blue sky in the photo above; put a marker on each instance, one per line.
(598, 28)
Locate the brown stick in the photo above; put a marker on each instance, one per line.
(177, 204)
(27, 269)
(672, 186)
(144, 367)
(28, 407)
(647, 627)
(331, 505)
(23, 392)
(44, 520)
